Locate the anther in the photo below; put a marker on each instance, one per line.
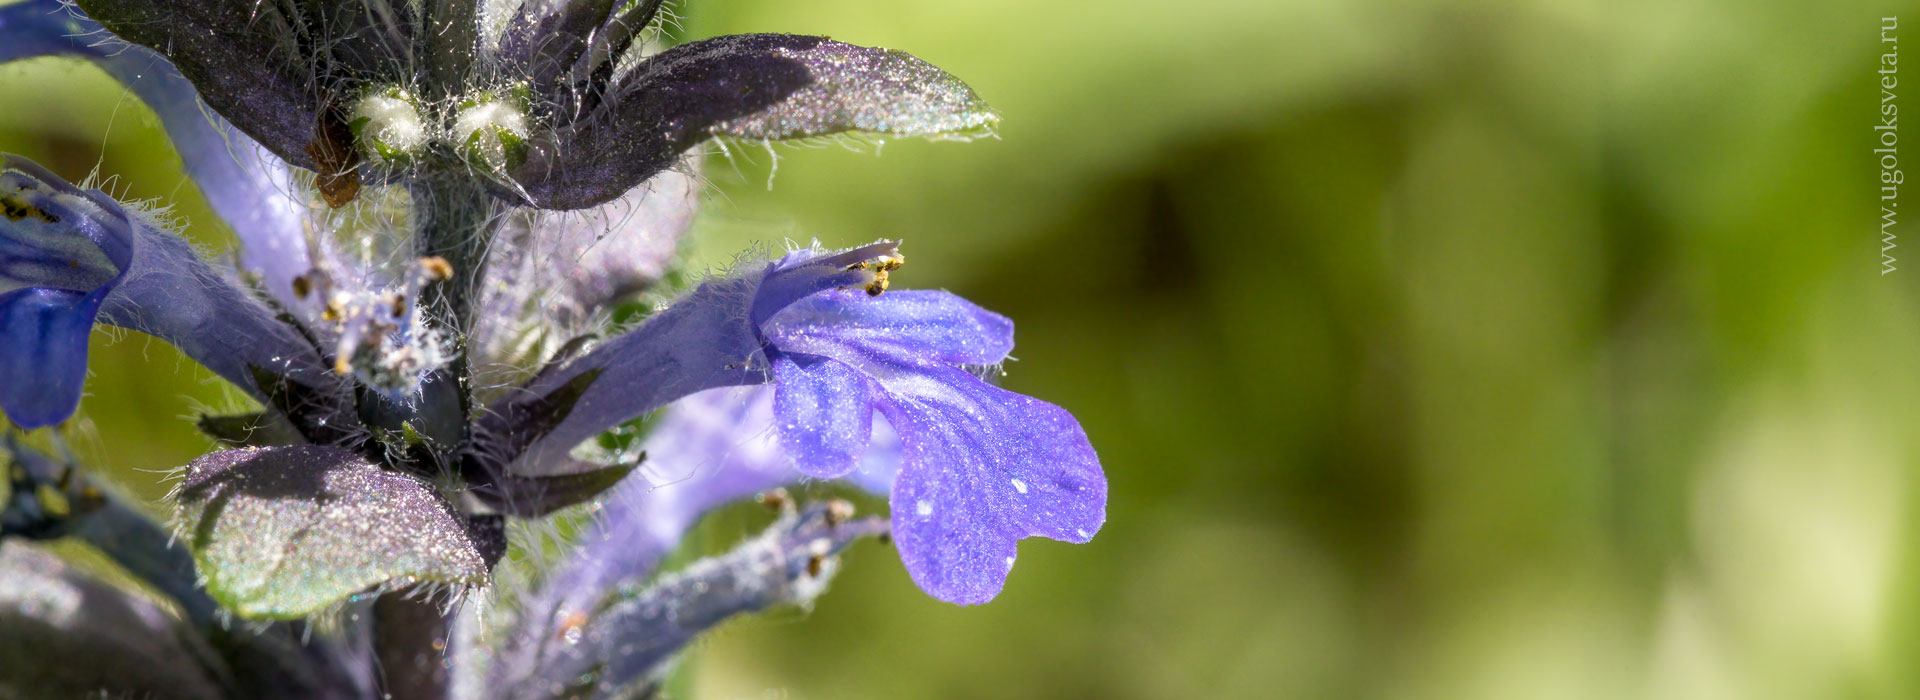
(838, 511)
(879, 267)
(775, 500)
(437, 268)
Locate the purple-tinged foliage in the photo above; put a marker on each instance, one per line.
(754, 86)
(287, 502)
(286, 75)
(240, 55)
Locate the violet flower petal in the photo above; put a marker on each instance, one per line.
(247, 186)
(825, 413)
(240, 54)
(983, 467)
(709, 339)
(44, 376)
(67, 254)
(708, 450)
(930, 325)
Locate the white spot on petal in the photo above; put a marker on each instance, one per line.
(1009, 563)
(924, 508)
(1020, 486)
(1082, 533)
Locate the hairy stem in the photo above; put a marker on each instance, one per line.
(451, 36)
(454, 220)
(619, 646)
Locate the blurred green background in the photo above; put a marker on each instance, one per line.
(1433, 350)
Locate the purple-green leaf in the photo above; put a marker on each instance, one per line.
(872, 90)
(285, 532)
(751, 86)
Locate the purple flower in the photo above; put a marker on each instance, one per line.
(69, 255)
(981, 467)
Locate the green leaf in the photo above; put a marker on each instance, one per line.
(284, 532)
(858, 88)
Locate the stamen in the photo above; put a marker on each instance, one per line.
(381, 338)
(879, 267)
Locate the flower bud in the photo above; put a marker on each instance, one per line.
(490, 129)
(388, 127)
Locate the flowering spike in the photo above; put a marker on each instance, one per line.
(414, 117)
